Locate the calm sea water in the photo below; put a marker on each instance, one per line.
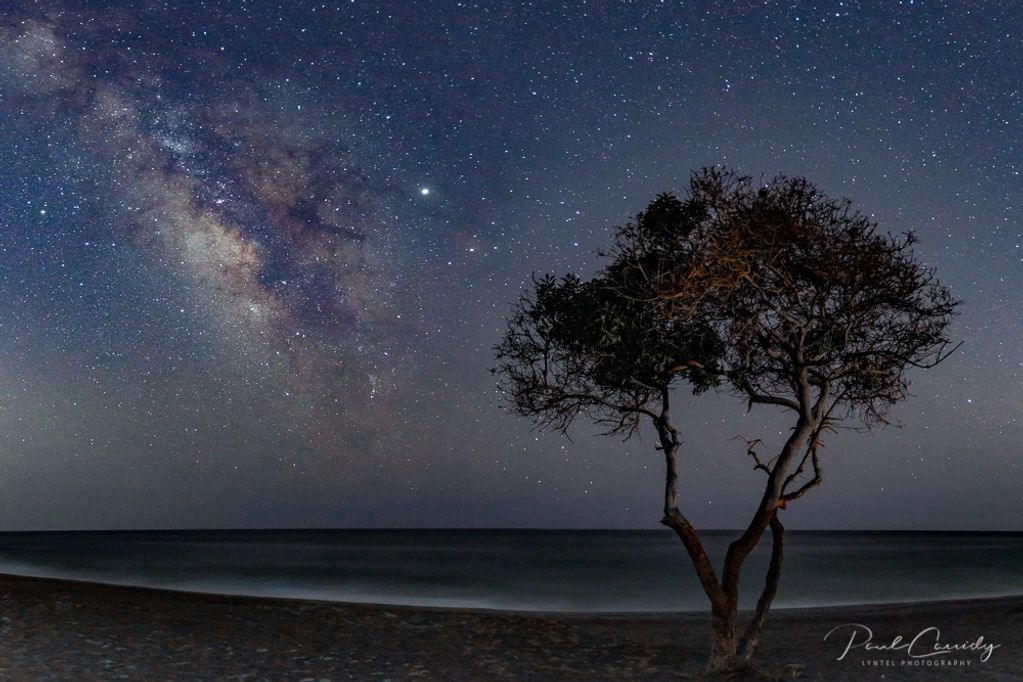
(527, 569)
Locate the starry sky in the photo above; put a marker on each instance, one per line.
(254, 255)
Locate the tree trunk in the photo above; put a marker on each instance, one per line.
(723, 645)
(751, 636)
(674, 519)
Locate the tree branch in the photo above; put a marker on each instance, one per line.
(751, 636)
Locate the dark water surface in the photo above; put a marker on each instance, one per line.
(523, 569)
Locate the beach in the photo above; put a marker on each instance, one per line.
(67, 630)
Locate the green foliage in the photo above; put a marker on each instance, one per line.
(625, 342)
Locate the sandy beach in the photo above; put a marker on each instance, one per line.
(61, 630)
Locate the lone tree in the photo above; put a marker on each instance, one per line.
(773, 292)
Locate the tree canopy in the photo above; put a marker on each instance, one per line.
(756, 288)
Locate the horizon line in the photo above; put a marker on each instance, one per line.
(486, 528)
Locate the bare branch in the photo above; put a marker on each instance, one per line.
(751, 450)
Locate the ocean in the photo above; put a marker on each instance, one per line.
(545, 570)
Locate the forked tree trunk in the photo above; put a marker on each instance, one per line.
(751, 636)
(729, 652)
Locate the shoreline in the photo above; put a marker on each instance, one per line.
(552, 613)
(66, 629)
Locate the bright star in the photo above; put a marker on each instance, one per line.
(424, 191)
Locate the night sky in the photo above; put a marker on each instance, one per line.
(254, 255)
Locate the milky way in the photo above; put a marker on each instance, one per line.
(276, 236)
(253, 259)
